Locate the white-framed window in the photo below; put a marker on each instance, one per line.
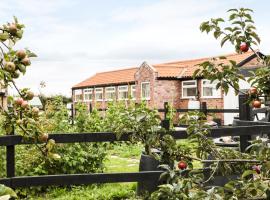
(109, 93)
(88, 94)
(189, 89)
(133, 91)
(145, 90)
(123, 92)
(209, 89)
(78, 95)
(99, 94)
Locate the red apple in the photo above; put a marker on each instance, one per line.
(182, 165)
(24, 104)
(256, 103)
(21, 54)
(12, 28)
(10, 66)
(244, 47)
(19, 101)
(26, 61)
(257, 169)
(253, 91)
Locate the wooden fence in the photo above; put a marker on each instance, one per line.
(10, 141)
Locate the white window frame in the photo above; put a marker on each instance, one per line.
(132, 89)
(99, 92)
(120, 89)
(189, 86)
(77, 92)
(113, 91)
(145, 98)
(88, 91)
(213, 84)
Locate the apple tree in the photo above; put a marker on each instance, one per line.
(20, 116)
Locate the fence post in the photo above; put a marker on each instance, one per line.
(10, 158)
(244, 114)
(166, 122)
(72, 113)
(90, 107)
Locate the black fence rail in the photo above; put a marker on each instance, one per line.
(245, 130)
(80, 179)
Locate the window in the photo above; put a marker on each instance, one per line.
(133, 91)
(123, 92)
(209, 89)
(145, 90)
(109, 93)
(88, 94)
(78, 95)
(189, 89)
(99, 94)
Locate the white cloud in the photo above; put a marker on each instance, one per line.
(74, 39)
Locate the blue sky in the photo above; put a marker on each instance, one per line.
(76, 39)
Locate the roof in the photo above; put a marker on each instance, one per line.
(176, 69)
(110, 77)
(185, 68)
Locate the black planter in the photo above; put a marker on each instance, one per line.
(148, 163)
(218, 121)
(219, 180)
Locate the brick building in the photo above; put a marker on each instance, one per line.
(167, 82)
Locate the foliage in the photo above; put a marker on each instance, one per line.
(114, 191)
(190, 183)
(240, 30)
(138, 119)
(6, 193)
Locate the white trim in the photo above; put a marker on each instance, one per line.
(132, 90)
(148, 98)
(76, 93)
(112, 91)
(213, 84)
(191, 86)
(88, 92)
(99, 93)
(122, 90)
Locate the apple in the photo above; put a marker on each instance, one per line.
(35, 111)
(256, 103)
(244, 47)
(29, 95)
(182, 165)
(12, 28)
(43, 137)
(10, 66)
(257, 169)
(26, 61)
(24, 104)
(21, 54)
(253, 91)
(19, 101)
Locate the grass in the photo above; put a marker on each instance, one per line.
(93, 192)
(122, 157)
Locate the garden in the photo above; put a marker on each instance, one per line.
(129, 152)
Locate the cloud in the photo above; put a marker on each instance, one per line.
(76, 39)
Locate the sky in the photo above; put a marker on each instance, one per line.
(76, 39)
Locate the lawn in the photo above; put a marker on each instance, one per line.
(122, 157)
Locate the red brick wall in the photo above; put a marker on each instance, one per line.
(146, 74)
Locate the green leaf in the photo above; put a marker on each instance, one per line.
(226, 38)
(232, 10)
(4, 36)
(247, 173)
